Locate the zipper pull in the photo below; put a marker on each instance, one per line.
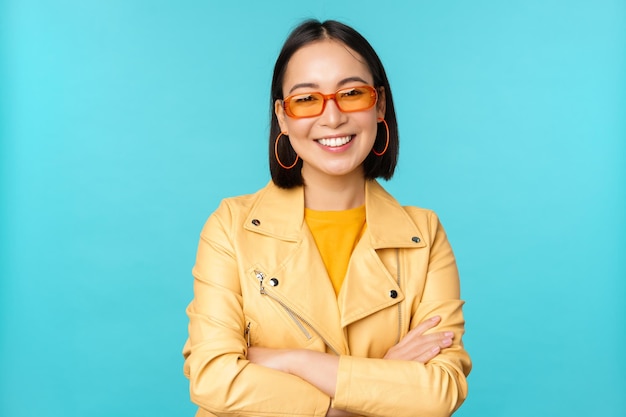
(247, 333)
(260, 276)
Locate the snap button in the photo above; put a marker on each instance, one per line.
(273, 282)
(393, 294)
(415, 239)
(256, 222)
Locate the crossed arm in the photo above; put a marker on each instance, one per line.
(424, 373)
(320, 369)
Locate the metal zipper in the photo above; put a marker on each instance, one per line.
(295, 316)
(298, 323)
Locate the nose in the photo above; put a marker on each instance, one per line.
(332, 116)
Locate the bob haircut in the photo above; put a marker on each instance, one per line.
(312, 31)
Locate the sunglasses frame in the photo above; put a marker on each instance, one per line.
(333, 96)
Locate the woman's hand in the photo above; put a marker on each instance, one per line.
(320, 369)
(416, 346)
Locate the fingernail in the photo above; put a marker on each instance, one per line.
(435, 349)
(446, 342)
(436, 318)
(448, 334)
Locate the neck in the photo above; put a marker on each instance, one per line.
(334, 193)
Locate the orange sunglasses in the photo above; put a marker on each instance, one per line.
(348, 100)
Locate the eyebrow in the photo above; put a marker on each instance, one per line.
(340, 84)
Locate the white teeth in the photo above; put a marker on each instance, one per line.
(334, 142)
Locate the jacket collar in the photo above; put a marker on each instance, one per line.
(279, 213)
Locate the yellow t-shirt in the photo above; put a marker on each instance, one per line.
(336, 233)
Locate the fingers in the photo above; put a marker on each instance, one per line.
(447, 340)
(417, 334)
(417, 346)
(431, 346)
(426, 324)
(428, 355)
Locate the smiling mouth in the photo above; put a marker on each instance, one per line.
(335, 142)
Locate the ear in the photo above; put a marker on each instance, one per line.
(381, 104)
(280, 115)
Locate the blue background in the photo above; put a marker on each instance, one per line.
(123, 124)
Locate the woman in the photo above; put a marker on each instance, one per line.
(319, 294)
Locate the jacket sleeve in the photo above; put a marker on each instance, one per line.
(222, 380)
(380, 387)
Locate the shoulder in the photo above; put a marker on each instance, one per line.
(379, 197)
(239, 204)
(425, 219)
(421, 215)
(388, 218)
(232, 211)
(271, 207)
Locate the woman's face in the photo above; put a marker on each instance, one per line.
(333, 144)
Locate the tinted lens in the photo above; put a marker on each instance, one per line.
(305, 105)
(347, 99)
(355, 98)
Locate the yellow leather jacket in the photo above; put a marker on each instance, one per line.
(260, 281)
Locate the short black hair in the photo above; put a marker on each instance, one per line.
(308, 32)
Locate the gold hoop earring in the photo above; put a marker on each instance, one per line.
(276, 153)
(386, 143)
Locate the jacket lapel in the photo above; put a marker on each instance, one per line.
(389, 224)
(369, 286)
(278, 213)
(303, 283)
